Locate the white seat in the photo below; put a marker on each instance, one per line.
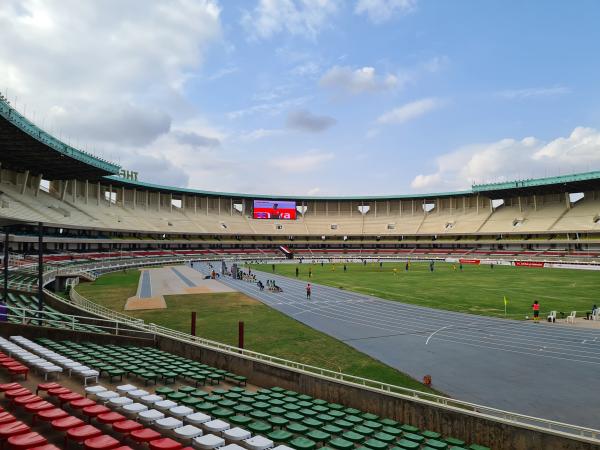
(236, 434)
(168, 423)
(93, 390)
(150, 399)
(137, 393)
(552, 316)
(106, 395)
(234, 447)
(119, 402)
(208, 442)
(283, 447)
(197, 418)
(165, 405)
(150, 416)
(133, 409)
(258, 443)
(216, 426)
(123, 389)
(571, 317)
(186, 433)
(180, 411)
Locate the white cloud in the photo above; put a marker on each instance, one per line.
(308, 161)
(313, 191)
(271, 108)
(409, 111)
(298, 17)
(357, 81)
(108, 74)
(509, 159)
(519, 94)
(382, 10)
(260, 133)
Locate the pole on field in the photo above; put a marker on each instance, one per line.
(193, 330)
(40, 293)
(240, 334)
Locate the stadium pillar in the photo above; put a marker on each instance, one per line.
(193, 327)
(240, 335)
(6, 242)
(40, 270)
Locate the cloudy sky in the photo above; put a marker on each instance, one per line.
(312, 97)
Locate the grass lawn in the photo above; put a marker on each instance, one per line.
(475, 290)
(266, 330)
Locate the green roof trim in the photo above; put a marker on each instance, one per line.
(176, 190)
(25, 125)
(534, 182)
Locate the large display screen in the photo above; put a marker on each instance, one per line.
(273, 209)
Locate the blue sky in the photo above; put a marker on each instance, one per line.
(316, 96)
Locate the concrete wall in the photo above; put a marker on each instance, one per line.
(35, 332)
(471, 429)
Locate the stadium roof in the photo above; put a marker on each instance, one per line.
(26, 147)
(578, 182)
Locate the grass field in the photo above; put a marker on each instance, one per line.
(266, 330)
(475, 289)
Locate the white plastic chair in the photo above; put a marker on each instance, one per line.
(552, 316)
(571, 317)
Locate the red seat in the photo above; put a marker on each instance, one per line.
(24, 399)
(94, 410)
(46, 386)
(18, 370)
(123, 447)
(48, 415)
(27, 440)
(164, 444)
(9, 386)
(45, 447)
(81, 403)
(110, 417)
(126, 426)
(103, 442)
(80, 434)
(66, 423)
(144, 435)
(6, 417)
(16, 393)
(58, 391)
(69, 397)
(12, 429)
(35, 407)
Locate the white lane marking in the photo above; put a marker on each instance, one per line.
(432, 334)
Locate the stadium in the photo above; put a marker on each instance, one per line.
(139, 315)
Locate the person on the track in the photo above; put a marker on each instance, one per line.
(345, 268)
(273, 267)
(431, 263)
(310, 272)
(308, 291)
(536, 311)
(406, 266)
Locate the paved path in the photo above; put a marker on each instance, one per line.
(542, 370)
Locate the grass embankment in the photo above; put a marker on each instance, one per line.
(475, 289)
(266, 330)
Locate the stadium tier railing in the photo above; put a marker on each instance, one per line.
(123, 321)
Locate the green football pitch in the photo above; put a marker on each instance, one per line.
(475, 289)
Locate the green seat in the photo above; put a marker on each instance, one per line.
(414, 437)
(163, 390)
(392, 430)
(243, 409)
(187, 389)
(340, 444)
(332, 429)
(354, 419)
(319, 408)
(336, 414)
(405, 444)
(292, 407)
(259, 415)
(293, 416)
(232, 396)
(226, 403)
(454, 441)
(372, 425)
(274, 389)
(335, 406)
(308, 412)
(312, 423)
(363, 430)
(318, 435)
(409, 429)
(429, 434)
(206, 407)
(297, 428)
(280, 436)
(261, 405)
(318, 401)
(237, 390)
(388, 423)
(259, 427)
(277, 411)
(276, 402)
(222, 413)
(176, 396)
(353, 436)
(375, 444)
(212, 398)
(435, 444)
(352, 411)
(199, 393)
(384, 437)
(190, 401)
(239, 420)
(369, 416)
(343, 424)
(302, 443)
(278, 421)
